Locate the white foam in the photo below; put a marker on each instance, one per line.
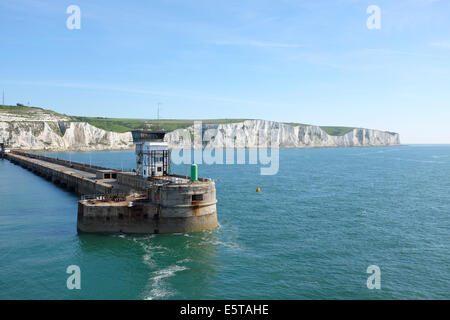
(168, 272)
(159, 294)
(184, 260)
(141, 239)
(159, 289)
(150, 250)
(231, 245)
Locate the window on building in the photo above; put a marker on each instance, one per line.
(197, 197)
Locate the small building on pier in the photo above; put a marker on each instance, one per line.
(152, 153)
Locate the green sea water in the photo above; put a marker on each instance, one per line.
(310, 234)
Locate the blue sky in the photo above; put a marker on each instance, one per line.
(311, 62)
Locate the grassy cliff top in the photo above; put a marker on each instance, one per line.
(332, 131)
(126, 124)
(28, 112)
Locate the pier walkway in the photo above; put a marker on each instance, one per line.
(76, 177)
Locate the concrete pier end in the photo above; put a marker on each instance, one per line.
(123, 202)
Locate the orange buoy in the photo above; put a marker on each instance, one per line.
(258, 189)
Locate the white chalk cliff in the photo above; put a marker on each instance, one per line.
(60, 134)
(254, 133)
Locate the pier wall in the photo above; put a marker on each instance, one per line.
(173, 208)
(141, 217)
(66, 177)
(71, 164)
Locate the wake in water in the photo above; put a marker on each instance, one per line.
(159, 288)
(154, 254)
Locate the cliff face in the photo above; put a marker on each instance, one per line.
(66, 135)
(254, 133)
(61, 136)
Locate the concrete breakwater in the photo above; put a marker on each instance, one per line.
(74, 176)
(114, 201)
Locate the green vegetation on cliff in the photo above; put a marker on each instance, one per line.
(125, 124)
(337, 131)
(111, 124)
(332, 131)
(29, 112)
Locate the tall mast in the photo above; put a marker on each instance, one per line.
(159, 105)
(157, 115)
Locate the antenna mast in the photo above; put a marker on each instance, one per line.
(159, 104)
(157, 116)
